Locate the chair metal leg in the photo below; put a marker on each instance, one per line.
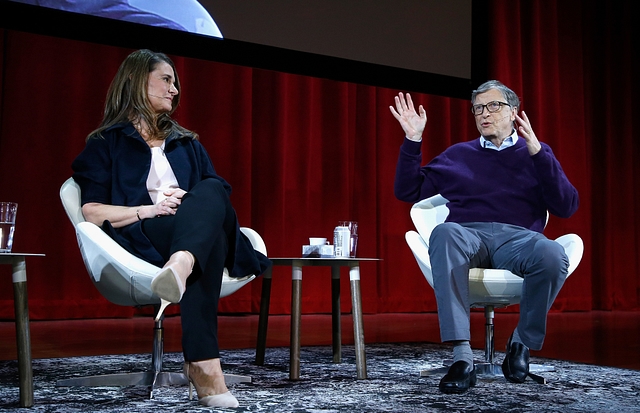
(540, 368)
(157, 353)
(489, 341)
(152, 378)
(435, 371)
(487, 367)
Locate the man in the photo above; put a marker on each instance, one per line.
(499, 187)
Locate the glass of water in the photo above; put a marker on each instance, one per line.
(7, 225)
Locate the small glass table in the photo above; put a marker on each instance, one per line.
(23, 336)
(296, 294)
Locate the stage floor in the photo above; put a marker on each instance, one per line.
(594, 337)
(393, 385)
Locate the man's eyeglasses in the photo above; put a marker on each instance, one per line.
(492, 107)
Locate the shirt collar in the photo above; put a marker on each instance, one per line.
(508, 142)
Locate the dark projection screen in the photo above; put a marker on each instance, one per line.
(419, 45)
(431, 36)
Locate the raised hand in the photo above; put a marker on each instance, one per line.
(412, 122)
(527, 133)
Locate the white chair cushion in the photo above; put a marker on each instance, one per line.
(121, 277)
(486, 286)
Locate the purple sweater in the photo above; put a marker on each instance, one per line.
(485, 185)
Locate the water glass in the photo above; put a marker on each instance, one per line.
(7, 225)
(353, 229)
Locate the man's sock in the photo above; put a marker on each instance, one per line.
(462, 351)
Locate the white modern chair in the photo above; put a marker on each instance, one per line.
(125, 279)
(488, 288)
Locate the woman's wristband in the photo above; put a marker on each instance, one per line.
(138, 214)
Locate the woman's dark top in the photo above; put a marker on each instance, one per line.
(113, 170)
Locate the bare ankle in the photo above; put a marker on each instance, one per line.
(182, 263)
(208, 376)
(190, 257)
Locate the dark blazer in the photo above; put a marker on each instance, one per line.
(113, 170)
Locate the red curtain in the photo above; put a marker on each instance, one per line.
(575, 65)
(303, 153)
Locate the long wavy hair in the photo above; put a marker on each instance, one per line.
(127, 98)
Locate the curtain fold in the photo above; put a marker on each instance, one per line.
(303, 153)
(575, 66)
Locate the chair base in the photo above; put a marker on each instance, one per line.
(153, 378)
(147, 378)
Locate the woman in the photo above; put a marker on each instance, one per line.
(152, 187)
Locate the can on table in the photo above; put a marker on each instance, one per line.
(342, 241)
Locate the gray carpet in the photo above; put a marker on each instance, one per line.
(394, 385)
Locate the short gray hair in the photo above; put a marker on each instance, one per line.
(510, 96)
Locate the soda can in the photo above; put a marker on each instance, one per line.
(342, 241)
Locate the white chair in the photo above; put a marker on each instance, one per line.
(125, 279)
(488, 288)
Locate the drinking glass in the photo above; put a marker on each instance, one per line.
(7, 225)
(353, 230)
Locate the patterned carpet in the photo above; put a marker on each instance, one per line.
(394, 385)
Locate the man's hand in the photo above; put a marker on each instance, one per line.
(412, 123)
(527, 133)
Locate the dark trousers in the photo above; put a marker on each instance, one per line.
(202, 225)
(454, 248)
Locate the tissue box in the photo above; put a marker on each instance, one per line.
(317, 251)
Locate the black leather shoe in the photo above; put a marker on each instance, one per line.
(515, 366)
(459, 378)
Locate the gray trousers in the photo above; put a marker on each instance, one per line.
(454, 248)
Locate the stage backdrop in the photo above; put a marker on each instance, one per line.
(303, 153)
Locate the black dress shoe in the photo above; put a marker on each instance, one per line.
(515, 366)
(459, 378)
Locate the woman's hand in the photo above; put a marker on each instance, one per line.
(120, 216)
(171, 203)
(412, 123)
